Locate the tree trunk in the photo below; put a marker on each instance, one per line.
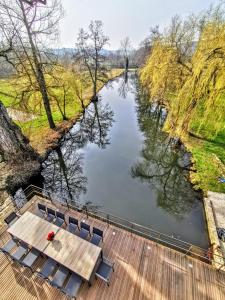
(39, 72)
(126, 64)
(13, 144)
(21, 161)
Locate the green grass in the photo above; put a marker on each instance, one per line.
(208, 168)
(6, 88)
(208, 149)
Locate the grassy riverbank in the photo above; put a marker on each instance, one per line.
(207, 148)
(37, 128)
(209, 162)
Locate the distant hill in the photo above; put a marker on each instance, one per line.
(72, 51)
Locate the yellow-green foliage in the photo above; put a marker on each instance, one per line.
(202, 95)
(161, 73)
(18, 93)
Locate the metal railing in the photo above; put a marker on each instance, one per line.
(146, 232)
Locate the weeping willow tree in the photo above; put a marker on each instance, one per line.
(162, 76)
(186, 72)
(203, 94)
(169, 63)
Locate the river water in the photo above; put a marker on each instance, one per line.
(117, 158)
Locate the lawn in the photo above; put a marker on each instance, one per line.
(209, 160)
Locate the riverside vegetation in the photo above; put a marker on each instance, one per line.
(185, 72)
(35, 125)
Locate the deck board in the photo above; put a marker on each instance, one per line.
(143, 270)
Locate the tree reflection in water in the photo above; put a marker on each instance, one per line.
(162, 165)
(63, 175)
(97, 120)
(63, 170)
(127, 84)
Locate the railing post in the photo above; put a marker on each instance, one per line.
(131, 228)
(189, 249)
(49, 197)
(107, 216)
(157, 239)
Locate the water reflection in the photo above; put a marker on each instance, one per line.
(127, 83)
(162, 165)
(63, 170)
(97, 120)
(63, 173)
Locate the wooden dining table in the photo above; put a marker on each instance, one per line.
(76, 254)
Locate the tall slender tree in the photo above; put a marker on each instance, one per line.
(125, 45)
(28, 25)
(90, 45)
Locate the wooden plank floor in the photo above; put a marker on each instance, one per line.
(143, 270)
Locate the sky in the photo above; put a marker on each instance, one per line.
(123, 18)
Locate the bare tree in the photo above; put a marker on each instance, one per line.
(80, 83)
(90, 45)
(29, 27)
(125, 45)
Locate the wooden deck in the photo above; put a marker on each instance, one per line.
(143, 270)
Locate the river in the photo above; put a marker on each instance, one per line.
(117, 158)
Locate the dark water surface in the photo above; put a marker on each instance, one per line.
(118, 158)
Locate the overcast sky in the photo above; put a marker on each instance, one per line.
(123, 18)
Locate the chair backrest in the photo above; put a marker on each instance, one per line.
(104, 270)
(97, 231)
(11, 217)
(73, 221)
(50, 211)
(42, 207)
(85, 226)
(60, 215)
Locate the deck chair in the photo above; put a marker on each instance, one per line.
(50, 214)
(47, 269)
(11, 218)
(59, 277)
(72, 225)
(105, 269)
(60, 219)
(72, 286)
(8, 246)
(84, 231)
(97, 236)
(30, 258)
(41, 210)
(20, 252)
